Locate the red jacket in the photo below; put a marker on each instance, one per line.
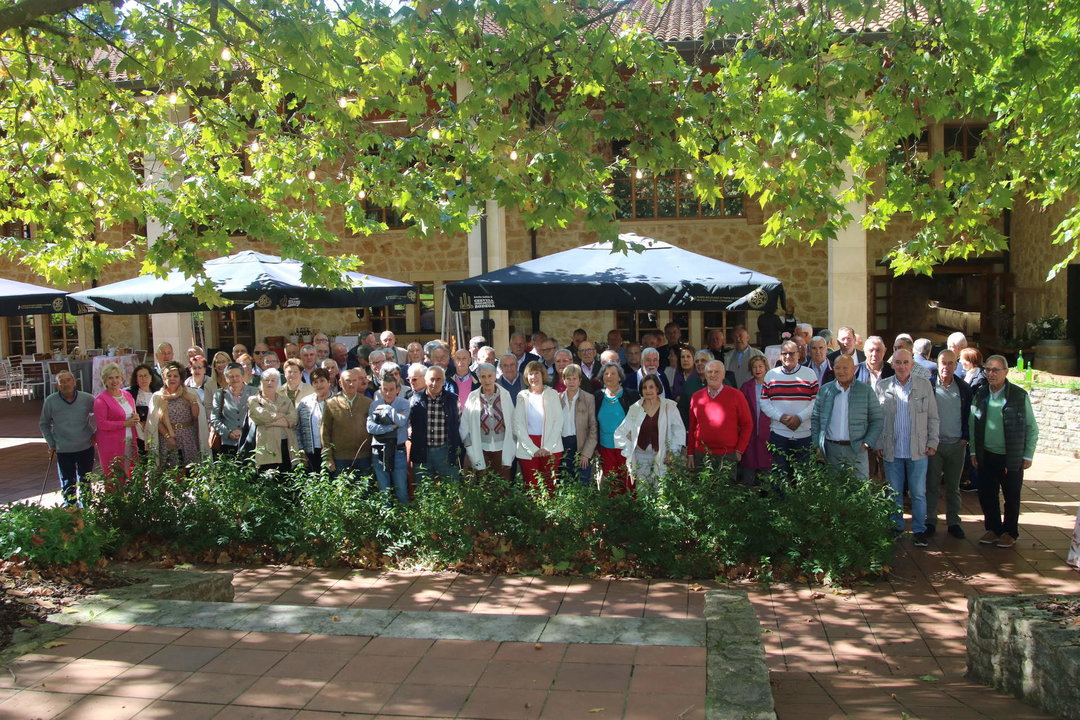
(719, 425)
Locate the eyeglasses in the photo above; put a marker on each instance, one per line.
(789, 352)
(993, 369)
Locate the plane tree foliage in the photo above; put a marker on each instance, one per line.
(284, 119)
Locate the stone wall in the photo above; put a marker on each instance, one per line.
(1033, 255)
(1059, 425)
(1019, 650)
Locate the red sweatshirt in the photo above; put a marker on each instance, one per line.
(719, 425)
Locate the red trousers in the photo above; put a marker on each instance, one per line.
(536, 468)
(615, 472)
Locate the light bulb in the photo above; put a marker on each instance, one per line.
(311, 175)
(57, 157)
(80, 186)
(435, 134)
(226, 54)
(343, 102)
(362, 194)
(513, 154)
(639, 174)
(255, 147)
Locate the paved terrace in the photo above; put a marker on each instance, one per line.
(448, 645)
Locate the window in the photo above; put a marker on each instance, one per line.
(641, 195)
(63, 332)
(235, 326)
(911, 154)
(963, 139)
(724, 321)
(21, 337)
(15, 230)
(632, 323)
(388, 317)
(390, 217)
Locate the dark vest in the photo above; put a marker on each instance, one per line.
(1013, 418)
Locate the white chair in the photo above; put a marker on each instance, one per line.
(10, 378)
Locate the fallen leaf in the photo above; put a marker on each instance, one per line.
(596, 710)
(929, 678)
(336, 619)
(538, 646)
(54, 644)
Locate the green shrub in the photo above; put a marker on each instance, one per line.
(53, 536)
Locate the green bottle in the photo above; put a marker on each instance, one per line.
(1020, 361)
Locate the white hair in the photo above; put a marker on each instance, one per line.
(270, 374)
(956, 341)
(923, 346)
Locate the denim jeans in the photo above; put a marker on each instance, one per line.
(571, 467)
(440, 462)
(788, 451)
(73, 468)
(398, 476)
(361, 467)
(914, 471)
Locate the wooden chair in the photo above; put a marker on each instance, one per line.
(34, 377)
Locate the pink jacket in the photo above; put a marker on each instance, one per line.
(110, 416)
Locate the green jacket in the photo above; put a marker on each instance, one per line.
(864, 414)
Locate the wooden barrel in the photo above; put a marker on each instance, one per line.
(1056, 356)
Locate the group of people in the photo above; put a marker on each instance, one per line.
(621, 414)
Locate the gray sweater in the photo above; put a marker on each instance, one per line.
(66, 426)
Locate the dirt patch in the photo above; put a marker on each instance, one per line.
(1067, 612)
(27, 596)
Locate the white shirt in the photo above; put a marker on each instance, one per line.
(569, 425)
(534, 413)
(838, 429)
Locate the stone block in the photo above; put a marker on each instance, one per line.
(737, 677)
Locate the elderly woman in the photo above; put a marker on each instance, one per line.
(294, 386)
(693, 383)
(579, 424)
(331, 366)
(177, 423)
(230, 408)
(248, 364)
(756, 460)
(682, 370)
(309, 418)
(274, 417)
(538, 425)
(971, 361)
(142, 387)
(613, 401)
(201, 382)
(651, 434)
(486, 424)
(114, 411)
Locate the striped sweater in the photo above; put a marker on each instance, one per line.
(791, 393)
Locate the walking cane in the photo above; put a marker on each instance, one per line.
(48, 469)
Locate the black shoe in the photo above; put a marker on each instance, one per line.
(930, 530)
(921, 540)
(968, 487)
(956, 531)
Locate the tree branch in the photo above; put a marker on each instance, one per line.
(26, 12)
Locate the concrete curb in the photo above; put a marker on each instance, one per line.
(736, 675)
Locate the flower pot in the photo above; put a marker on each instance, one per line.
(1055, 356)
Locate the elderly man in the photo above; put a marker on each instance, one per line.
(714, 343)
(237, 350)
(389, 342)
(1003, 438)
(310, 360)
(463, 381)
(804, 331)
(163, 355)
(633, 358)
(903, 341)
(346, 443)
(376, 361)
(873, 370)
(475, 343)
(434, 428)
(944, 467)
(576, 338)
(650, 365)
(65, 425)
(956, 342)
(787, 399)
(590, 365)
(615, 342)
(546, 351)
(846, 421)
(720, 422)
(258, 353)
(292, 350)
(340, 354)
(737, 361)
(486, 354)
(436, 353)
(909, 437)
(519, 349)
(849, 346)
(921, 350)
(819, 360)
(414, 376)
(509, 377)
(320, 338)
(388, 425)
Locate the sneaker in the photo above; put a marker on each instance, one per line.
(989, 538)
(956, 531)
(921, 540)
(1006, 541)
(930, 530)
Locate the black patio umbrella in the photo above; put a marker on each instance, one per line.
(247, 281)
(591, 277)
(19, 298)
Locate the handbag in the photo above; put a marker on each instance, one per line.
(215, 437)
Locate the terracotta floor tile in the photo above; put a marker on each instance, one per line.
(307, 666)
(67, 649)
(143, 682)
(546, 652)
(124, 652)
(80, 676)
(669, 655)
(567, 704)
(463, 649)
(356, 697)
(23, 673)
(96, 632)
(376, 669)
(426, 700)
(321, 715)
(240, 712)
(660, 706)
(491, 703)
(32, 705)
(538, 675)
(663, 679)
(173, 710)
(447, 671)
(595, 677)
(210, 687)
(206, 637)
(596, 653)
(341, 644)
(243, 661)
(100, 707)
(279, 692)
(270, 641)
(183, 657)
(156, 635)
(396, 646)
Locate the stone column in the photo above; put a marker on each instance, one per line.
(173, 328)
(849, 275)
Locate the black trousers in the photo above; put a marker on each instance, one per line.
(73, 468)
(995, 480)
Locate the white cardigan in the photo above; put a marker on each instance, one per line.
(671, 430)
(471, 434)
(553, 424)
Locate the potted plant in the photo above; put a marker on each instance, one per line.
(1053, 352)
